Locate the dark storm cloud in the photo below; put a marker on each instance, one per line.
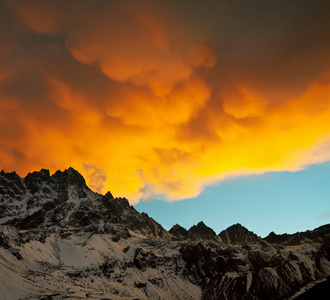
(186, 92)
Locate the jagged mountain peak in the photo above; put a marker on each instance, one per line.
(177, 228)
(9, 174)
(238, 228)
(238, 234)
(196, 232)
(200, 226)
(108, 195)
(43, 173)
(70, 175)
(201, 231)
(43, 201)
(178, 232)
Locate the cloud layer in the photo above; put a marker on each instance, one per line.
(162, 99)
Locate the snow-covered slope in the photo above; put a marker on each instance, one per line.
(60, 240)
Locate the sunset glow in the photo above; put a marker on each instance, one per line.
(150, 102)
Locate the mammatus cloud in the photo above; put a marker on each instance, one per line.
(163, 98)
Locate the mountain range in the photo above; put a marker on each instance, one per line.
(61, 240)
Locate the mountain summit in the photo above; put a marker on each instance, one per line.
(60, 240)
(63, 199)
(238, 234)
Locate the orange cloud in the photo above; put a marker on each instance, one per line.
(153, 100)
(137, 106)
(146, 53)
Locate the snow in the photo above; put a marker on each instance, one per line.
(13, 285)
(75, 200)
(37, 252)
(71, 267)
(92, 264)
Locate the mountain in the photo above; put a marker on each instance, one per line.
(238, 234)
(60, 240)
(196, 232)
(64, 200)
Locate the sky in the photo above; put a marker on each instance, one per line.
(173, 104)
(282, 202)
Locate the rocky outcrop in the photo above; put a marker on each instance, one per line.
(238, 234)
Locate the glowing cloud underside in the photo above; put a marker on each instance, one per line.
(150, 99)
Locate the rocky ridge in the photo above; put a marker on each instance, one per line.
(59, 240)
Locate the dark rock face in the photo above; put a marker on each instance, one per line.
(11, 188)
(32, 221)
(320, 292)
(238, 234)
(202, 231)
(179, 233)
(256, 272)
(197, 232)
